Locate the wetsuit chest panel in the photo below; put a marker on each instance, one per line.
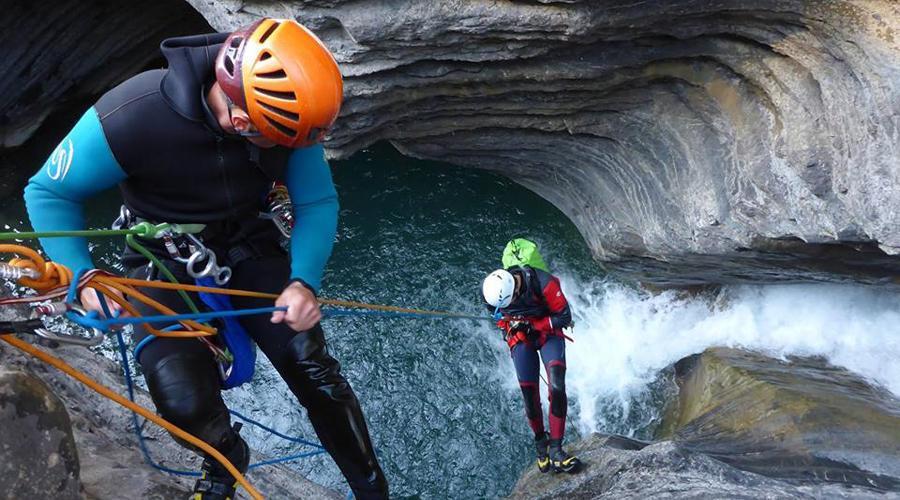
(193, 177)
(179, 169)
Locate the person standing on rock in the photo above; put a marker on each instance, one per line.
(202, 142)
(531, 310)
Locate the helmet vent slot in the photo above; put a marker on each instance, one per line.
(229, 66)
(281, 112)
(277, 94)
(268, 33)
(264, 55)
(236, 42)
(273, 74)
(284, 129)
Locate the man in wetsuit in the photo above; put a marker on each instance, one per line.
(201, 142)
(532, 311)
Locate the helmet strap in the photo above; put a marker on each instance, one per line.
(229, 104)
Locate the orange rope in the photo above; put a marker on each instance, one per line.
(52, 274)
(108, 393)
(55, 275)
(198, 330)
(262, 295)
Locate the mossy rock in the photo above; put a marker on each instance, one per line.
(799, 419)
(38, 458)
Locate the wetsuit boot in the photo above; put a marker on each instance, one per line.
(541, 442)
(560, 460)
(215, 482)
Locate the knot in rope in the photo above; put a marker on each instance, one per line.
(53, 275)
(50, 274)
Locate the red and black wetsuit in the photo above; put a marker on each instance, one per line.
(541, 303)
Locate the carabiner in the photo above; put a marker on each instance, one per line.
(94, 340)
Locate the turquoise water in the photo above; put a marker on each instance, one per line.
(439, 395)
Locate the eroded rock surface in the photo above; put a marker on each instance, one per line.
(60, 56)
(799, 419)
(690, 141)
(622, 468)
(67, 50)
(37, 450)
(748, 426)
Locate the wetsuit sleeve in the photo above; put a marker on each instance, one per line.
(560, 314)
(315, 202)
(81, 166)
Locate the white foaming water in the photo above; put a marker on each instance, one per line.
(624, 337)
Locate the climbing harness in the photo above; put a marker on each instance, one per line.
(200, 263)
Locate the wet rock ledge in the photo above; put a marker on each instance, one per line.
(748, 426)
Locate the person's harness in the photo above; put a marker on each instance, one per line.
(514, 336)
(237, 364)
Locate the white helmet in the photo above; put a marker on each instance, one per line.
(498, 288)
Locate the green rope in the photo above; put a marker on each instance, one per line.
(144, 230)
(66, 234)
(132, 242)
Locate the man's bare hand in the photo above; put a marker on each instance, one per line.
(303, 309)
(90, 300)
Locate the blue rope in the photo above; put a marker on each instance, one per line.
(129, 382)
(73, 286)
(288, 458)
(335, 313)
(273, 431)
(136, 352)
(92, 318)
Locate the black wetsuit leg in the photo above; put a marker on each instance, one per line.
(525, 359)
(553, 353)
(313, 376)
(183, 378)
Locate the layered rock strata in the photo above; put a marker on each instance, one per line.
(60, 56)
(690, 141)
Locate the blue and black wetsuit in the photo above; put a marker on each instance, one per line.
(155, 137)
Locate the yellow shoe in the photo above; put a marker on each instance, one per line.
(562, 461)
(214, 487)
(543, 458)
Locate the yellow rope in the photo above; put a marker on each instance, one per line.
(109, 394)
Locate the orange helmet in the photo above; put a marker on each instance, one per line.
(284, 77)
